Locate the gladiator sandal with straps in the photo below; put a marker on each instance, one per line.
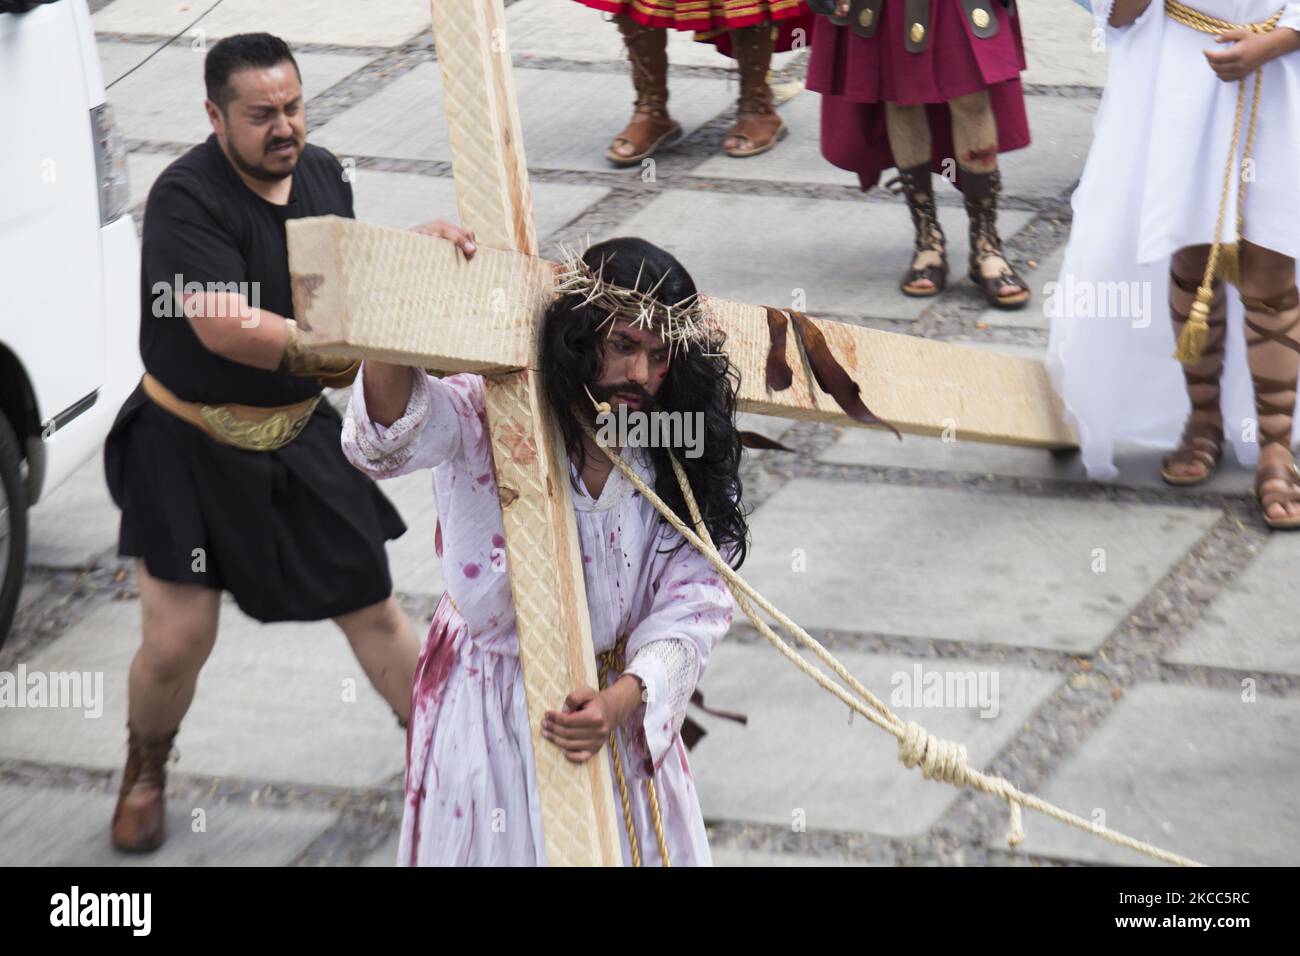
(1202, 441)
(1269, 325)
(917, 188)
(981, 191)
(139, 820)
(651, 128)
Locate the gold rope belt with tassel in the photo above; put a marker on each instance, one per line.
(1224, 257)
(612, 661)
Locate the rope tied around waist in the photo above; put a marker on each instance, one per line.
(1225, 258)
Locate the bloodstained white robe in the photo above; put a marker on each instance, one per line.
(471, 788)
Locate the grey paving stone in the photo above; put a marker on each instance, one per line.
(798, 157)
(849, 260)
(960, 565)
(383, 855)
(1139, 467)
(143, 169)
(270, 705)
(800, 753)
(1252, 625)
(1061, 129)
(1035, 314)
(163, 100)
(766, 425)
(403, 200)
(31, 592)
(338, 22)
(730, 857)
(1194, 771)
(544, 28)
(567, 118)
(77, 522)
(42, 826)
(1059, 44)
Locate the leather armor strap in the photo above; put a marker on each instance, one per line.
(983, 21)
(916, 28)
(864, 17)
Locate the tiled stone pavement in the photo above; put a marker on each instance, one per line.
(1141, 642)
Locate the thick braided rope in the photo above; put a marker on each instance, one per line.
(606, 662)
(612, 659)
(938, 758)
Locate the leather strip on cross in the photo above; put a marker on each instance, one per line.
(829, 374)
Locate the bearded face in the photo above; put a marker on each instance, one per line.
(263, 126)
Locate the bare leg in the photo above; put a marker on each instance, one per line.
(385, 643)
(179, 630)
(1268, 289)
(909, 141)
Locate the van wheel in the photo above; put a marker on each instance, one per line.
(13, 526)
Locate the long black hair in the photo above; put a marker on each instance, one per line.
(696, 382)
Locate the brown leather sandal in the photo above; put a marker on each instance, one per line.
(1288, 476)
(981, 191)
(649, 131)
(1202, 441)
(916, 185)
(757, 133)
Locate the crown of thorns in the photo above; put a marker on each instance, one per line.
(680, 324)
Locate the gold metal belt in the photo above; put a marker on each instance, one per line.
(1224, 258)
(247, 427)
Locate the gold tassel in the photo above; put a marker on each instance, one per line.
(1191, 343)
(1228, 268)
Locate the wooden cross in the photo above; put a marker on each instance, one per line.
(366, 291)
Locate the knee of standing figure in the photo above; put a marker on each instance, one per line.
(1265, 274)
(1189, 263)
(178, 656)
(379, 620)
(970, 106)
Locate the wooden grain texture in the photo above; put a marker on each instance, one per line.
(454, 315)
(503, 296)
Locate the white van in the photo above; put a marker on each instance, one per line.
(69, 265)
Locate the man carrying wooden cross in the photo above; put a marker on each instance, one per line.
(626, 330)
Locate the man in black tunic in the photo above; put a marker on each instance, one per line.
(226, 462)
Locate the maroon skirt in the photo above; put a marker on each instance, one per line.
(857, 76)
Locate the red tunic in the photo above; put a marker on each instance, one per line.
(858, 75)
(712, 19)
